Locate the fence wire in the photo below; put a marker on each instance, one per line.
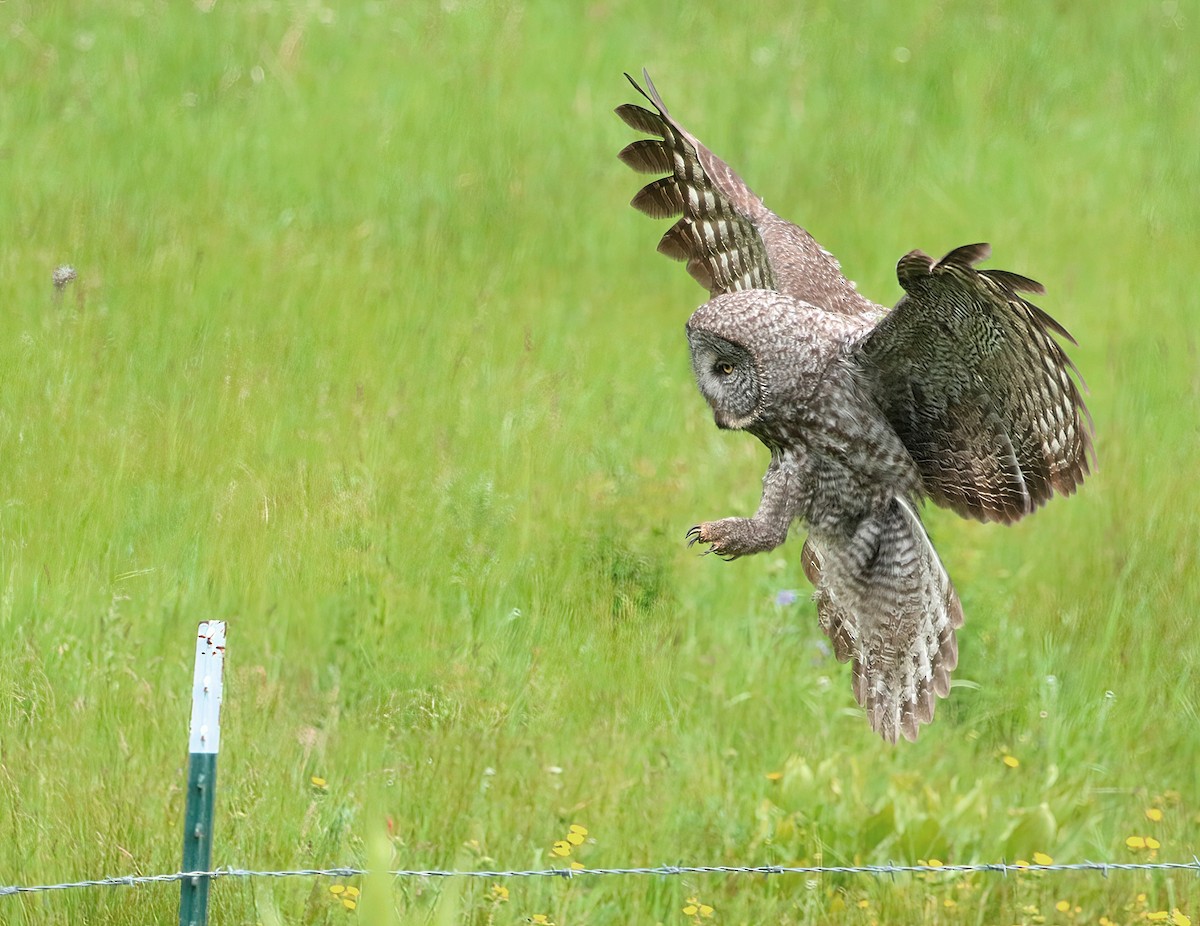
(1004, 868)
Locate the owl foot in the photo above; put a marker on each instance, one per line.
(716, 534)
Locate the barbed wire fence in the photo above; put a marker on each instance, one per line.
(204, 744)
(1003, 868)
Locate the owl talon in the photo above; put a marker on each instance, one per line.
(702, 533)
(697, 535)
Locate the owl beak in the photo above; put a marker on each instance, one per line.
(727, 422)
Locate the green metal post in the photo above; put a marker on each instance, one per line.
(204, 743)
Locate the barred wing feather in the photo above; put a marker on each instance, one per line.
(982, 394)
(729, 239)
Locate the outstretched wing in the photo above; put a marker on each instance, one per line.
(887, 605)
(972, 379)
(728, 238)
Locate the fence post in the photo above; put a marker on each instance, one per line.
(203, 745)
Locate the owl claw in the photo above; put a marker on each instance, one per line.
(702, 533)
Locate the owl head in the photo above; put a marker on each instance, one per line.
(728, 377)
(753, 353)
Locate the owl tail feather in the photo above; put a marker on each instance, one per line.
(888, 606)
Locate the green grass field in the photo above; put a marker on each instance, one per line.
(368, 356)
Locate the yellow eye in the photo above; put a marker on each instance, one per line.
(725, 369)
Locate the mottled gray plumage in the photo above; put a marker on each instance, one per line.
(959, 394)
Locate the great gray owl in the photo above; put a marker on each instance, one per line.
(960, 394)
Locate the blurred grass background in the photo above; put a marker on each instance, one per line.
(369, 356)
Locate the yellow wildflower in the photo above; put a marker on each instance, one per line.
(1063, 906)
(499, 893)
(774, 776)
(562, 848)
(1041, 858)
(1136, 842)
(1180, 919)
(541, 919)
(1158, 916)
(578, 830)
(1153, 813)
(346, 893)
(319, 783)
(577, 866)
(1011, 761)
(936, 863)
(1152, 843)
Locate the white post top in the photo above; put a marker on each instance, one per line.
(206, 688)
